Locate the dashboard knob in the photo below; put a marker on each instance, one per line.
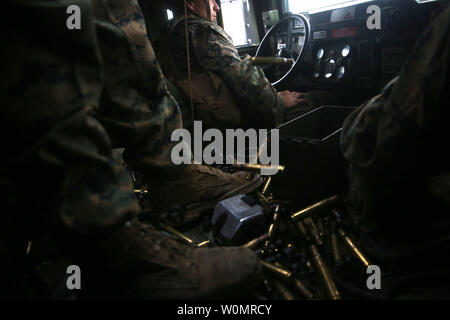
(330, 68)
(320, 53)
(345, 51)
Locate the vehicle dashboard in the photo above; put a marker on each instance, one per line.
(344, 55)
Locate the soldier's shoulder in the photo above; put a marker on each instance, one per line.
(204, 25)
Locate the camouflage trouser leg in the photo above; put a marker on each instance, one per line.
(56, 172)
(51, 85)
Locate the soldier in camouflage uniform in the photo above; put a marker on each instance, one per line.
(69, 97)
(397, 148)
(142, 120)
(240, 94)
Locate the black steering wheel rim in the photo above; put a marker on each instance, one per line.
(271, 32)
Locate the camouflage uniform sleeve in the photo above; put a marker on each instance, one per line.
(214, 50)
(58, 167)
(399, 178)
(136, 107)
(398, 133)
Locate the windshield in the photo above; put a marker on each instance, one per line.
(298, 6)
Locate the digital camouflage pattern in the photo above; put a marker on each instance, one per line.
(135, 107)
(212, 50)
(397, 147)
(70, 97)
(147, 264)
(69, 100)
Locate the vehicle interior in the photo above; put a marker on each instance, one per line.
(330, 41)
(329, 45)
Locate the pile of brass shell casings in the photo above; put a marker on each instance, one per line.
(318, 225)
(313, 235)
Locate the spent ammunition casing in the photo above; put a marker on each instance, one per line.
(350, 244)
(133, 177)
(177, 233)
(279, 265)
(266, 185)
(29, 246)
(321, 228)
(301, 288)
(324, 274)
(256, 242)
(346, 253)
(263, 201)
(262, 198)
(274, 225)
(297, 283)
(335, 248)
(203, 243)
(301, 227)
(304, 213)
(282, 291)
(283, 273)
(253, 167)
(140, 191)
(313, 230)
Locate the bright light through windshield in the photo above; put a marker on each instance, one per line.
(298, 6)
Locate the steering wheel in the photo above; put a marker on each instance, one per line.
(287, 39)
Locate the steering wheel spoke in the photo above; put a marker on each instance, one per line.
(288, 38)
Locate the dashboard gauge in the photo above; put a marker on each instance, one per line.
(341, 72)
(320, 53)
(345, 51)
(330, 68)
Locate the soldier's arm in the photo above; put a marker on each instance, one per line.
(402, 130)
(215, 52)
(136, 108)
